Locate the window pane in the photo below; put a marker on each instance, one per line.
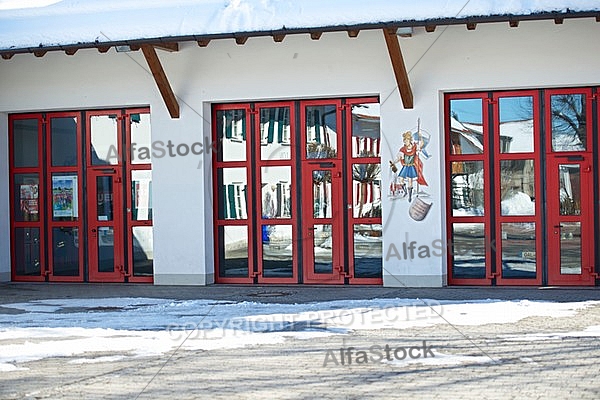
(141, 195)
(233, 251)
(568, 122)
(65, 251)
(517, 187)
(466, 127)
(27, 251)
(141, 145)
(570, 189)
(63, 133)
(366, 190)
(322, 194)
(231, 134)
(570, 248)
(104, 140)
(276, 192)
(366, 132)
(106, 249)
(516, 124)
(65, 200)
(143, 250)
(467, 188)
(104, 202)
(25, 143)
(368, 251)
(518, 250)
(233, 196)
(26, 205)
(275, 133)
(321, 131)
(323, 249)
(277, 251)
(468, 249)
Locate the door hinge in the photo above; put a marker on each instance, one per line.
(493, 275)
(596, 275)
(122, 270)
(490, 100)
(344, 273)
(255, 274)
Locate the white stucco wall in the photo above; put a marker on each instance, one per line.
(494, 56)
(4, 204)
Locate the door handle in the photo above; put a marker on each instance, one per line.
(558, 226)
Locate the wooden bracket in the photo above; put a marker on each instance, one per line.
(399, 67)
(161, 80)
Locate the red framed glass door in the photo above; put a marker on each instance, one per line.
(322, 192)
(570, 197)
(105, 197)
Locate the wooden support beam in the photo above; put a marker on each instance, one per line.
(471, 26)
(103, 49)
(203, 42)
(315, 35)
(241, 40)
(278, 38)
(393, 46)
(559, 20)
(39, 53)
(597, 18)
(353, 33)
(161, 80)
(7, 56)
(430, 28)
(71, 51)
(170, 47)
(513, 23)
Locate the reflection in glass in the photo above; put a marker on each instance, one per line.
(366, 190)
(568, 122)
(233, 198)
(570, 248)
(323, 251)
(140, 136)
(276, 192)
(63, 137)
(321, 131)
(517, 187)
(65, 196)
(231, 135)
(466, 128)
(368, 251)
(275, 135)
(468, 248)
(569, 189)
(516, 124)
(143, 250)
(104, 146)
(322, 194)
(104, 192)
(518, 250)
(141, 195)
(277, 251)
(65, 251)
(27, 252)
(25, 143)
(26, 204)
(233, 253)
(467, 188)
(366, 131)
(106, 249)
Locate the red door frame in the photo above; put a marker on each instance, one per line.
(585, 160)
(131, 223)
(337, 214)
(486, 188)
(218, 223)
(93, 225)
(68, 224)
(39, 170)
(536, 157)
(353, 280)
(293, 221)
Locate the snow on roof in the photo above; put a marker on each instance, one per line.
(35, 23)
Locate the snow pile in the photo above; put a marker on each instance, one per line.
(36, 23)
